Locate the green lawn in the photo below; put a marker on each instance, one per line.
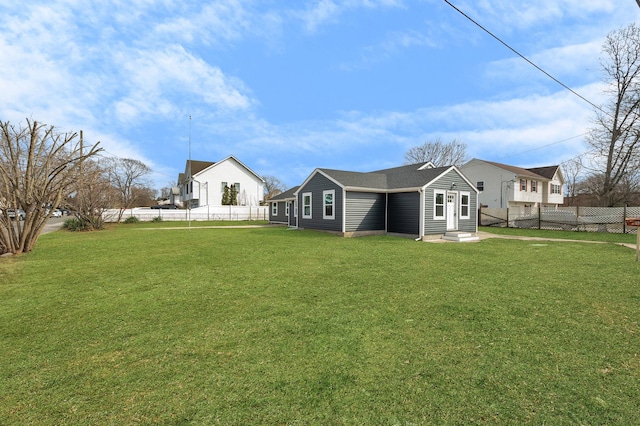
(567, 235)
(269, 326)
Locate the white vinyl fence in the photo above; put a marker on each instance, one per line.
(589, 219)
(147, 214)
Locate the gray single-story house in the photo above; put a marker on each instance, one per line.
(419, 200)
(281, 208)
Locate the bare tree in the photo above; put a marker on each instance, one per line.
(272, 186)
(615, 138)
(127, 176)
(439, 153)
(92, 195)
(38, 169)
(572, 172)
(144, 196)
(166, 191)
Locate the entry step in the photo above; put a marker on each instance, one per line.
(460, 236)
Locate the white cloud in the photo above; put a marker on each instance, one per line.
(323, 12)
(155, 77)
(508, 15)
(394, 43)
(580, 62)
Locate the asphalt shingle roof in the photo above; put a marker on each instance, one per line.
(547, 172)
(285, 195)
(402, 177)
(533, 173)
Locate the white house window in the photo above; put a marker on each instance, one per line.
(464, 205)
(286, 209)
(534, 186)
(223, 186)
(480, 185)
(237, 185)
(328, 197)
(306, 205)
(274, 209)
(523, 184)
(438, 205)
(556, 189)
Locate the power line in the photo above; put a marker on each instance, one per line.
(544, 146)
(526, 59)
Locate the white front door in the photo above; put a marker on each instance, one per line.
(452, 215)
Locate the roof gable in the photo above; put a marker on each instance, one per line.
(546, 172)
(198, 167)
(409, 177)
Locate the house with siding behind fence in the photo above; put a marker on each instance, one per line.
(419, 200)
(515, 188)
(203, 184)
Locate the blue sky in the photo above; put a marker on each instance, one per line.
(288, 86)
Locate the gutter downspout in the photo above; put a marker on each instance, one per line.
(421, 194)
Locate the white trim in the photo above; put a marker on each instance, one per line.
(451, 215)
(230, 157)
(423, 202)
(460, 174)
(274, 209)
(468, 195)
(344, 210)
(331, 192)
(444, 204)
(315, 172)
(310, 215)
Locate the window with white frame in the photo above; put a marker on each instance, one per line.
(523, 184)
(274, 209)
(556, 189)
(438, 204)
(480, 185)
(464, 205)
(534, 186)
(223, 186)
(306, 205)
(286, 208)
(328, 200)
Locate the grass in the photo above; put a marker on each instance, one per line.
(567, 235)
(193, 224)
(269, 326)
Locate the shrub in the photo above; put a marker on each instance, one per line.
(156, 219)
(131, 219)
(76, 225)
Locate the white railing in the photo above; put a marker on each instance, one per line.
(146, 214)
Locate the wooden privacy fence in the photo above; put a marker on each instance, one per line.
(588, 219)
(147, 214)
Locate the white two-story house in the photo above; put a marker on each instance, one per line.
(504, 186)
(203, 182)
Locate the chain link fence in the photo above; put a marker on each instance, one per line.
(585, 219)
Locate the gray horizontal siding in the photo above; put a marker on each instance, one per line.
(404, 213)
(434, 227)
(316, 185)
(365, 212)
(281, 216)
